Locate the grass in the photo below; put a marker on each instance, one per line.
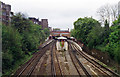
(113, 68)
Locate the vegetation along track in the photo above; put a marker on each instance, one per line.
(29, 66)
(101, 68)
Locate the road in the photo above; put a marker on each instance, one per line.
(73, 62)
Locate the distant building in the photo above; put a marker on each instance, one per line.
(58, 33)
(43, 22)
(35, 21)
(119, 8)
(5, 11)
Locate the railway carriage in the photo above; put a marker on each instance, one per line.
(61, 43)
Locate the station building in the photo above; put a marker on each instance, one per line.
(57, 33)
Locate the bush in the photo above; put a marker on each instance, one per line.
(106, 38)
(11, 47)
(19, 41)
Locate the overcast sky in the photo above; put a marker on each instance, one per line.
(60, 13)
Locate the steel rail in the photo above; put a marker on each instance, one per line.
(98, 68)
(81, 65)
(73, 61)
(92, 61)
(29, 62)
(53, 72)
(59, 65)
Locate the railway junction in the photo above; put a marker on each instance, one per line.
(56, 62)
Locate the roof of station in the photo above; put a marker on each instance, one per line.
(61, 38)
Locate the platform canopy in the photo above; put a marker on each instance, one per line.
(72, 37)
(61, 38)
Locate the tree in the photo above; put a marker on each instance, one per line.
(105, 38)
(106, 25)
(47, 32)
(114, 12)
(83, 26)
(113, 46)
(72, 33)
(108, 12)
(20, 22)
(19, 41)
(95, 37)
(11, 47)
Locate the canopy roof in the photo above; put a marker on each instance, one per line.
(72, 37)
(61, 38)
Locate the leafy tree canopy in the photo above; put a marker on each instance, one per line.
(83, 26)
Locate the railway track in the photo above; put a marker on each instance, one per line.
(28, 67)
(58, 63)
(39, 61)
(96, 66)
(53, 71)
(99, 67)
(55, 65)
(73, 57)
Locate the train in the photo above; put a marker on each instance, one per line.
(62, 44)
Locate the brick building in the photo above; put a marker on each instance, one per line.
(5, 11)
(43, 22)
(35, 20)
